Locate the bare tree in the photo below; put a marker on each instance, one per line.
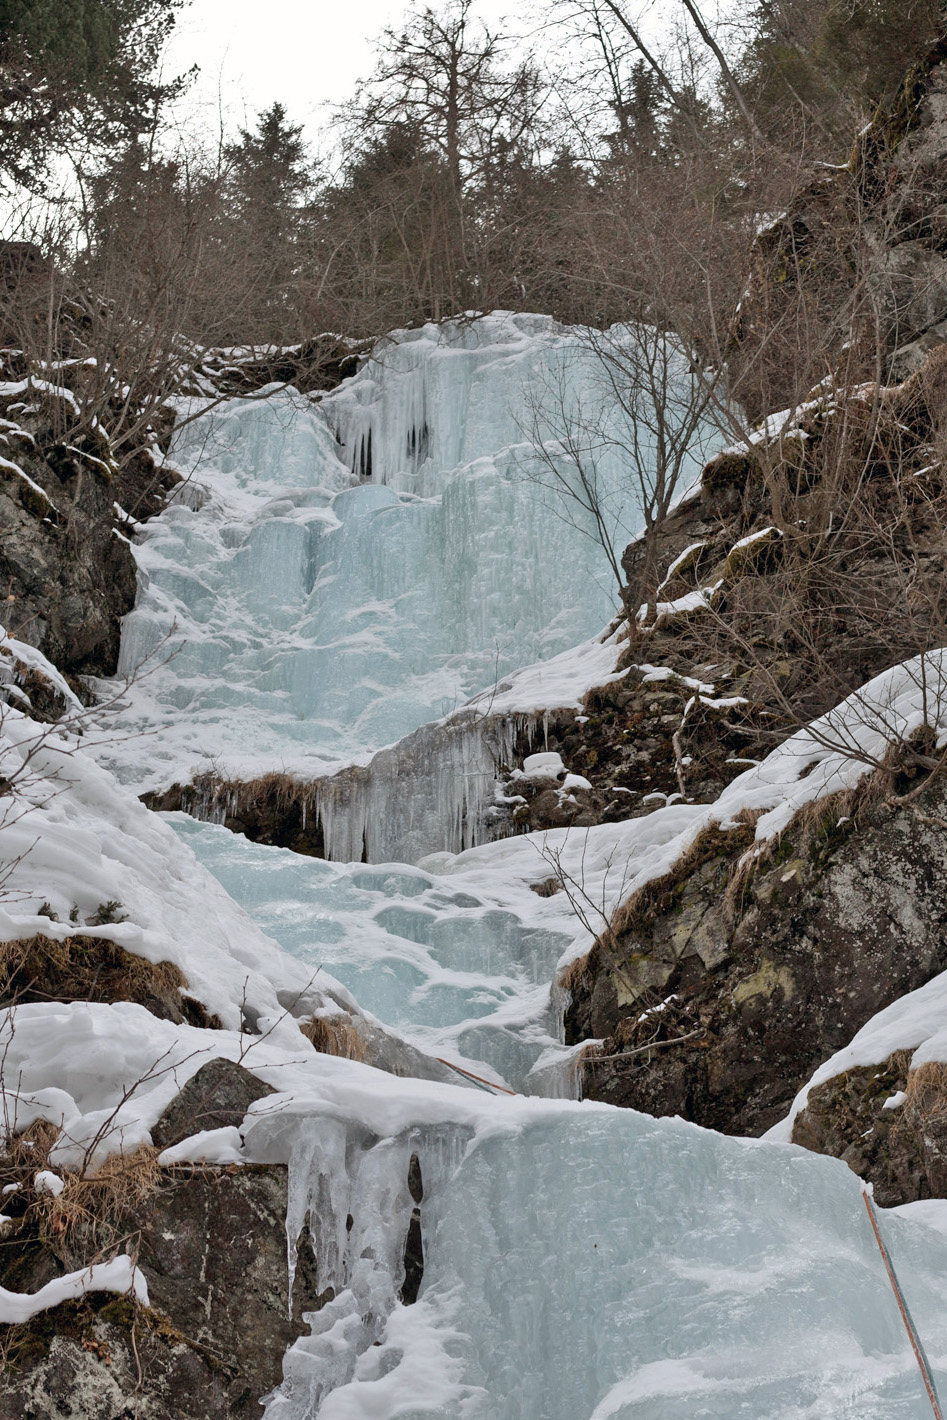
(620, 457)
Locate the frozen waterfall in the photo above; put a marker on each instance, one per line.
(333, 575)
(304, 603)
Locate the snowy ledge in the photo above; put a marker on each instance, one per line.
(120, 1275)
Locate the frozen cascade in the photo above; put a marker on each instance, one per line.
(336, 574)
(586, 1263)
(295, 617)
(589, 1264)
(457, 964)
(581, 1262)
(436, 788)
(426, 793)
(442, 397)
(350, 1199)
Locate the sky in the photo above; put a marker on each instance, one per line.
(308, 54)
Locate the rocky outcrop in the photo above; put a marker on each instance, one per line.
(721, 988)
(863, 248)
(317, 364)
(217, 1096)
(212, 1245)
(888, 1123)
(66, 566)
(92, 968)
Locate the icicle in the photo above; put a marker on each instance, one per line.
(429, 792)
(354, 1195)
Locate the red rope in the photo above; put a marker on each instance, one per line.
(905, 1315)
(490, 1085)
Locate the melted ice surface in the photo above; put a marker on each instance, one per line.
(337, 572)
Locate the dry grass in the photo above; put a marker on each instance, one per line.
(813, 826)
(571, 975)
(925, 1101)
(239, 797)
(83, 969)
(337, 1035)
(89, 1218)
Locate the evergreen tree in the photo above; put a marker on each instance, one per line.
(269, 166)
(77, 71)
(831, 64)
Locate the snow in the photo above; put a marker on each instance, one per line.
(916, 1022)
(207, 1146)
(297, 612)
(932, 1212)
(679, 561)
(48, 1182)
(25, 655)
(581, 1262)
(543, 766)
(84, 841)
(763, 535)
(698, 600)
(30, 483)
(575, 781)
(119, 1275)
(10, 388)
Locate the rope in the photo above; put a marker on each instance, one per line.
(488, 1084)
(909, 1326)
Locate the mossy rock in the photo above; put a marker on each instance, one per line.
(746, 557)
(733, 468)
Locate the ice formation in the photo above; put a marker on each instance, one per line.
(303, 604)
(584, 1264)
(325, 594)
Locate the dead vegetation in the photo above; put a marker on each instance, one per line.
(274, 808)
(924, 1110)
(857, 579)
(91, 968)
(87, 1218)
(636, 915)
(337, 1035)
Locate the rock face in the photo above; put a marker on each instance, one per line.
(218, 1095)
(874, 224)
(69, 578)
(718, 992)
(212, 1246)
(887, 1122)
(66, 566)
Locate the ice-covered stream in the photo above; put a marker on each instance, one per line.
(331, 578)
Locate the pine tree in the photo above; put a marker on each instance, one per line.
(77, 72)
(267, 181)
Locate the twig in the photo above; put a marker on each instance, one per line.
(641, 1049)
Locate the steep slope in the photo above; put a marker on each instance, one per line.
(454, 1249)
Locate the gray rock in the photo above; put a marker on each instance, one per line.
(212, 1245)
(746, 992)
(217, 1096)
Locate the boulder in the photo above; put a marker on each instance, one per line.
(720, 990)
(217, 1096)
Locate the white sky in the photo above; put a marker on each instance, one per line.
(305, 53)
